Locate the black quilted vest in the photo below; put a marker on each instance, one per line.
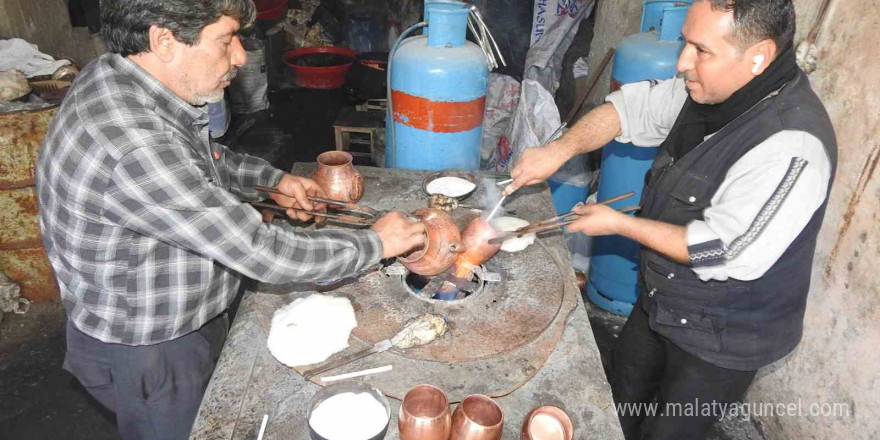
(734, 324)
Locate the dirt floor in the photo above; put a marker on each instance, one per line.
(39, 400)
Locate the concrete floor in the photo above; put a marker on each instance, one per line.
(39, 400)
(606, 327)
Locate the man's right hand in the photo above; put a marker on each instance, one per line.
(399, 233)
(535, 165)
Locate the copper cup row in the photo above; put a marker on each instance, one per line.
(424, 415)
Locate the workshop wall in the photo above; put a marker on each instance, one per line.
(46, 23)
(836, 363)
(837, 360)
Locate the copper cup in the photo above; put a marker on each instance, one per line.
(424, 414)
(547, 423)
(477, 418)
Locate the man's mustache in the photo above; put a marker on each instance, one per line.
(229, 75)
(684, 76)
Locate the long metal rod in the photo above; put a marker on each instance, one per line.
(820, 18)
(347, 205)
(537, 229)
(569, 214)
(351, 219)
(329, 365)
(595, 79)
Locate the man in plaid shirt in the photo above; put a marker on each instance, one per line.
(142, 217)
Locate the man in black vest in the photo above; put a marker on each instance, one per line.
(730, 213)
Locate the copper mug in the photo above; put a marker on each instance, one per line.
(338, 177)
(477, 418)
(442, 246)
(547, 423)
(424, 414)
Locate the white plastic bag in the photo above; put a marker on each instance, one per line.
(501, 100)
(554, 27)
(534, 120)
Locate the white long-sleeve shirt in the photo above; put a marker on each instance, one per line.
(766, 199)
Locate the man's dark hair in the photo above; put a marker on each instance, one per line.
(757, 20)
(125, 24)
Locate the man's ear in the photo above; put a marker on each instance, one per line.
(761, 55)
(162, 43)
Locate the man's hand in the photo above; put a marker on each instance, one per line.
(297, 191)
(591, 132)
(535, 165)
(666, 238)
(399, 234)
(598, 220)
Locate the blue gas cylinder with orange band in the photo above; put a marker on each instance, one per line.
(438, 94)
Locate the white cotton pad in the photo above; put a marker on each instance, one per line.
(349, 416)
(507, 224)
(309, 330)
(450, 186)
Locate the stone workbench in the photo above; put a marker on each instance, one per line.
(249, 382)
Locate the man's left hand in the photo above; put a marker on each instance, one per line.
(297, 191)
(597, 220)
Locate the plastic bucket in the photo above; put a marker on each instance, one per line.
(270, 9)
(319, 76)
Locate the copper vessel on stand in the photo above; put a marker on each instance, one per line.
(477, 418)
(338, 177)
(477, 249)
(424, 414)
(442, 246)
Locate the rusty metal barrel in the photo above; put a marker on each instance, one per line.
(22, 257)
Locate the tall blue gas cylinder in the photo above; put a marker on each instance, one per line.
(650, 54)
(438, 95)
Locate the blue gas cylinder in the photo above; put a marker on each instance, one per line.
(650, 54)
(438, 95)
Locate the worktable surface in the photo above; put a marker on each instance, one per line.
(249, 382)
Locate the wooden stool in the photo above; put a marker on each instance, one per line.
(351, 121)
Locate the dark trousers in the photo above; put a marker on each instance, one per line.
(155, 390)
(649, 371)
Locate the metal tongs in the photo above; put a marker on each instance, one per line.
(366, 215)
(558, 221)
(415, 333)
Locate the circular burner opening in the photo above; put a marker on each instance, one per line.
(446, 291)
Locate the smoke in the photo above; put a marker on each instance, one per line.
(489, 196)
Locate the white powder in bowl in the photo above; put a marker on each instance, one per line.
(507, 224)
(309, 330)
(450, 186)
(349, 416)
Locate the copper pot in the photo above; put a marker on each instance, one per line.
(547, 423)
(338, 177)
(424, 414)
(478, 250)
(477, 418)
(442, 245)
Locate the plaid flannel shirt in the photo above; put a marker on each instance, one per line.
(142, 217)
